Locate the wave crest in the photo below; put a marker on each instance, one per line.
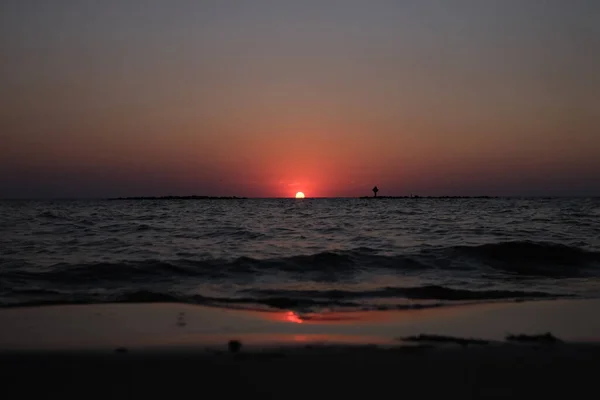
(521, 258)
(531, 258)
(428, 292)
(171, 280)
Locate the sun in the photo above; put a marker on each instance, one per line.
(299, 195)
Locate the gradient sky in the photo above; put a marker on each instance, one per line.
(265, 98)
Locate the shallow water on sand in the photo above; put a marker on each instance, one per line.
(310, 254)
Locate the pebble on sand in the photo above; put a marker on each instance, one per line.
(235, 346)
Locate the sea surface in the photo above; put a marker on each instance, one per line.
(303, 255)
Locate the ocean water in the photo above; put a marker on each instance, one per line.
(302, 255)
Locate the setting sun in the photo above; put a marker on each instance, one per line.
(299, 195)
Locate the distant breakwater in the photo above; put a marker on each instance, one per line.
(245, 198)
(180, 198)
(429, 197)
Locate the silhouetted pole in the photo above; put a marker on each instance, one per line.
(375, 190)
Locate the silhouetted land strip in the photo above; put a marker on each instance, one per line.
(180, 198)
(429, 197)
(244, 198)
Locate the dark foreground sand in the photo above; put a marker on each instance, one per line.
(180, 351)
(507, 371)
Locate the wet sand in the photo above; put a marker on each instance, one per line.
(168, 350)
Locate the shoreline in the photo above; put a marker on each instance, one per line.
(130, 351)
(147, 326)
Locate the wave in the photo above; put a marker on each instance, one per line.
(279, 302)
(250, 303)
(37, 292)
(530, 251)
(50, 215)
(530, 258)
(513, 258)
(184, 267)
(495, 266)
(234, 233)
(429, 292)
(436, 296)
(121, 271)
(50, 297)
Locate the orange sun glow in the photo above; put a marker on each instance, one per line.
(299, 195)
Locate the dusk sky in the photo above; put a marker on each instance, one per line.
(266, 98)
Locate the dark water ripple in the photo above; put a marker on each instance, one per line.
(344, 253)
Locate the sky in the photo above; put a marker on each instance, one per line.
(103, 98)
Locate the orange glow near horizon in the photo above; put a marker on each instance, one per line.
(249, 108)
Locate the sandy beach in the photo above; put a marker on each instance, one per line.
(154, 326)
(157, 350)
(299, 199)
(508, 371)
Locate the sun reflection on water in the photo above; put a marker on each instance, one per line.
(293, 317)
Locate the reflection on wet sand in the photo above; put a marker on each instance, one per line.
(270, 340)
(354, 317)
(568, 319)
(159, 325)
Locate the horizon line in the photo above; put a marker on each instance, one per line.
(210, 197)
